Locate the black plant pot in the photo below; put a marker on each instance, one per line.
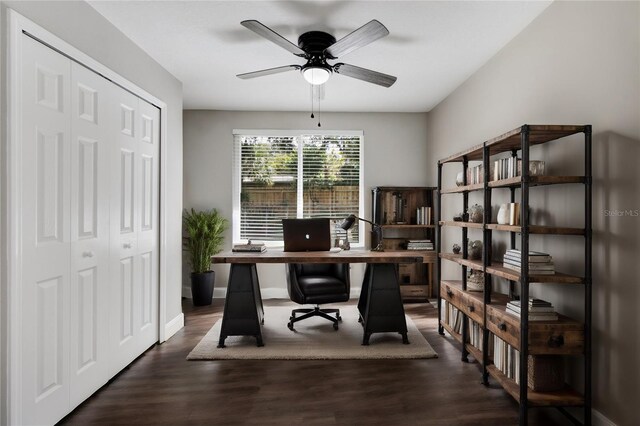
(202, 287)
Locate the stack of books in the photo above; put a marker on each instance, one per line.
(423, 216)
(539, 263)
(249, 248)
(419, 245)
(539, 310)
(452, 316)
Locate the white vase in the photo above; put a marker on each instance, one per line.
(503, 214)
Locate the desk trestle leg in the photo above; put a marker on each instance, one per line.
(243, 311)
(380, 304)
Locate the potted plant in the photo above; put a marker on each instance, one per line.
(203, 239)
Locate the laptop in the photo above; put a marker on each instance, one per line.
(306, 234)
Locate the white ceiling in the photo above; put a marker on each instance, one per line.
(433, 47)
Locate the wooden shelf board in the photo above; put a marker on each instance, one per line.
(473, 264)
(462, 224)
(466, 188)
(473, 154)
(406, 226)
(475, 352)
(428, 256)
(536, 181)
(404, 188)
(562, 319)
(496, 298)
(564, 397)
(510, 140)
(500, 271)
(538, 134)
(453, 334)
(537, 229)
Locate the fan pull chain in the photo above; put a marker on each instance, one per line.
(319, 108)
(311, 87)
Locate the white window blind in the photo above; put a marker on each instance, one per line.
(294, 176)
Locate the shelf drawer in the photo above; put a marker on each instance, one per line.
(562, 337)
(473, 308)
(503, 325)
(414, 291)
(452, 294)
(467, 303)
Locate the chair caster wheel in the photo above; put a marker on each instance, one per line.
(290, 325)
(335, 325)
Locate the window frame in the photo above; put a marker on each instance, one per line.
(236, 176)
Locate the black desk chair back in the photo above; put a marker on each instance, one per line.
(317, 284)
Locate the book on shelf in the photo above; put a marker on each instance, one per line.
(419, 245)
(534, 256)
(506, 168)
(476, 174)
(539, 310)
(423, 216)
(540, 316)
(531, 271)
(452, 316)
(249, 248)
(533, 302)
(475, 336)
(506, 358)
(534, 306)
(549, 266)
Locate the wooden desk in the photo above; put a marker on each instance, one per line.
(380, 303)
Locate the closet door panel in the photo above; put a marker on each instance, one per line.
(148, 148)
(125, 285)
(45, 257)
(90, 194)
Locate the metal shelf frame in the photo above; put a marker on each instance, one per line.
(528, 135)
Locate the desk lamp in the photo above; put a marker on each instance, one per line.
(350, 220)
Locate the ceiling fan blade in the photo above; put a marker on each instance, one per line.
(268, 71)
(272, 36)
(369, 32)
(365, 74)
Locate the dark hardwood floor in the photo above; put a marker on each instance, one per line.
(163, 388)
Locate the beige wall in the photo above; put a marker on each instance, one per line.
(394, 154)
(80, 25)
(577, 63)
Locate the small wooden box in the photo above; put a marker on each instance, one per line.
(545, 373)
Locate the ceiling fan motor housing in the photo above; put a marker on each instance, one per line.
(314, 43)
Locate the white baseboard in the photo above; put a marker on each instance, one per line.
(173, 326)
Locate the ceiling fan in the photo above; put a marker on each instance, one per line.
(317, 47)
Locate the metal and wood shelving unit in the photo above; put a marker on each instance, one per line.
(399, 224)
(562, 337)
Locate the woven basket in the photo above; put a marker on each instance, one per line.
(475, 281)
(545, 373)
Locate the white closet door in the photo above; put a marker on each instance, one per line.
(45, 257)
(124, 223)
(147, 250)
(90, 161)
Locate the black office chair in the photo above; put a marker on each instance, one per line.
(317, 283)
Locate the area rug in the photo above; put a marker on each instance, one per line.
(313, 338)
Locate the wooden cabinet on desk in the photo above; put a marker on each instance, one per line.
(406, 217)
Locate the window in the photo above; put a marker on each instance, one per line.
(283, 174)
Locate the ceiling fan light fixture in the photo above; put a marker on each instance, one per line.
(316, 75)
